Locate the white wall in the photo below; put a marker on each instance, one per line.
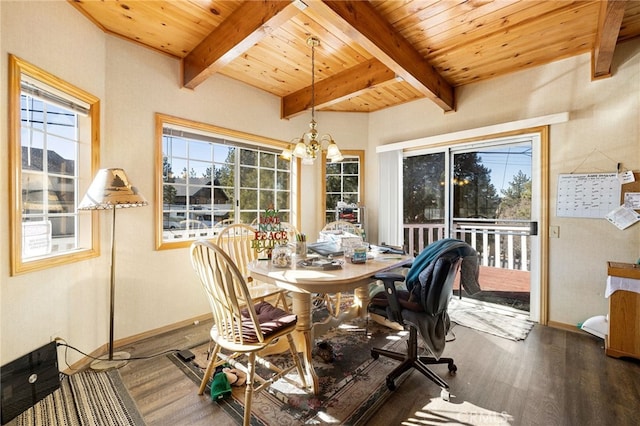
(63, 299)
(602, 130)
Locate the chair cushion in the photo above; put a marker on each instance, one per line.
(271, 321)
(404, 298)
(432, 328)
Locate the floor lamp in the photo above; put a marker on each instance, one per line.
(111, 189)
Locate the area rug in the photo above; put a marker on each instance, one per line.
(490, 318)
(352, 387)
(86, 398)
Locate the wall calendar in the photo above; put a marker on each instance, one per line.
(587, 195)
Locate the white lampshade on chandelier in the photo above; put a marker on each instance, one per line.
(310, 143)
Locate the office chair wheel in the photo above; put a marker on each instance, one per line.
(452, 368)
(390, 384)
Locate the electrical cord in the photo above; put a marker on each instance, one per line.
(62, 342)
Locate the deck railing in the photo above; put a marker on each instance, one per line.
(498, 245)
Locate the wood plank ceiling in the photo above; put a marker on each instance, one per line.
(372, 54)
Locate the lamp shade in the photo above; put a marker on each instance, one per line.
(111, 189)
(337, 158)
(300, 149)
(333, 152)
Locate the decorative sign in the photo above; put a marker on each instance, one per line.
(269, 234)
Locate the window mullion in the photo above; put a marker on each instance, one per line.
(236, 184)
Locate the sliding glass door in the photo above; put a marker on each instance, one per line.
(423, 199)
(484, 193)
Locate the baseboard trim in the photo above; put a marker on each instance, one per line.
(100, 351)
(567, 327)
(152, 333)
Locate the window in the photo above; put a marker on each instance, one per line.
(54, 143)
(210, 177)
(344, 185)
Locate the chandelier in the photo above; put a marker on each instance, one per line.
(310, 143)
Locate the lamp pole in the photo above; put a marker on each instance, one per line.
(111, 189)
(113, 282)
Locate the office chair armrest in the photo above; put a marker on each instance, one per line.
(386, 276)
(389, 279)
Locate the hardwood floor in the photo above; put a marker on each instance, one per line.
(554, 377)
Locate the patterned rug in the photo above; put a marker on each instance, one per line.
(351, 388)
(490, 318)
(86, 398)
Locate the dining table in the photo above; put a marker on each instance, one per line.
(305, 280)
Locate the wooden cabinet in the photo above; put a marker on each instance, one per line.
(623, 339)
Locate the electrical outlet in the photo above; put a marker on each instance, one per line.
(554, 232)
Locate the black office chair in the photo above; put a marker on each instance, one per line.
(423, 307)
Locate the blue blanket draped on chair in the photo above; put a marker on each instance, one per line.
(469, 269)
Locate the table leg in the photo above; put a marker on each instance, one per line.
(361, 300)
(302, 308)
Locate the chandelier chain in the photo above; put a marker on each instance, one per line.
(309, 145)
(313, 80)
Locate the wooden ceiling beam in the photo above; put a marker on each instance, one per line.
(337, 88)
(360, 22)
(246, 26)
(609, 22)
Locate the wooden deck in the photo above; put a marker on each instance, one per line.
(508, 287)
(496, 279)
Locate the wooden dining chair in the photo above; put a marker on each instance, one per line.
(290, 229)
(333, 301)
(239, 328)
(237, 241)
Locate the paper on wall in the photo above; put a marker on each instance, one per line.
(632, 200)
(626, 177)
(623, 217)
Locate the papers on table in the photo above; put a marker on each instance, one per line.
(325, 248)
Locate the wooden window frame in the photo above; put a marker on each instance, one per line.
(361, 187)
(18, 68)
(210, 130)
